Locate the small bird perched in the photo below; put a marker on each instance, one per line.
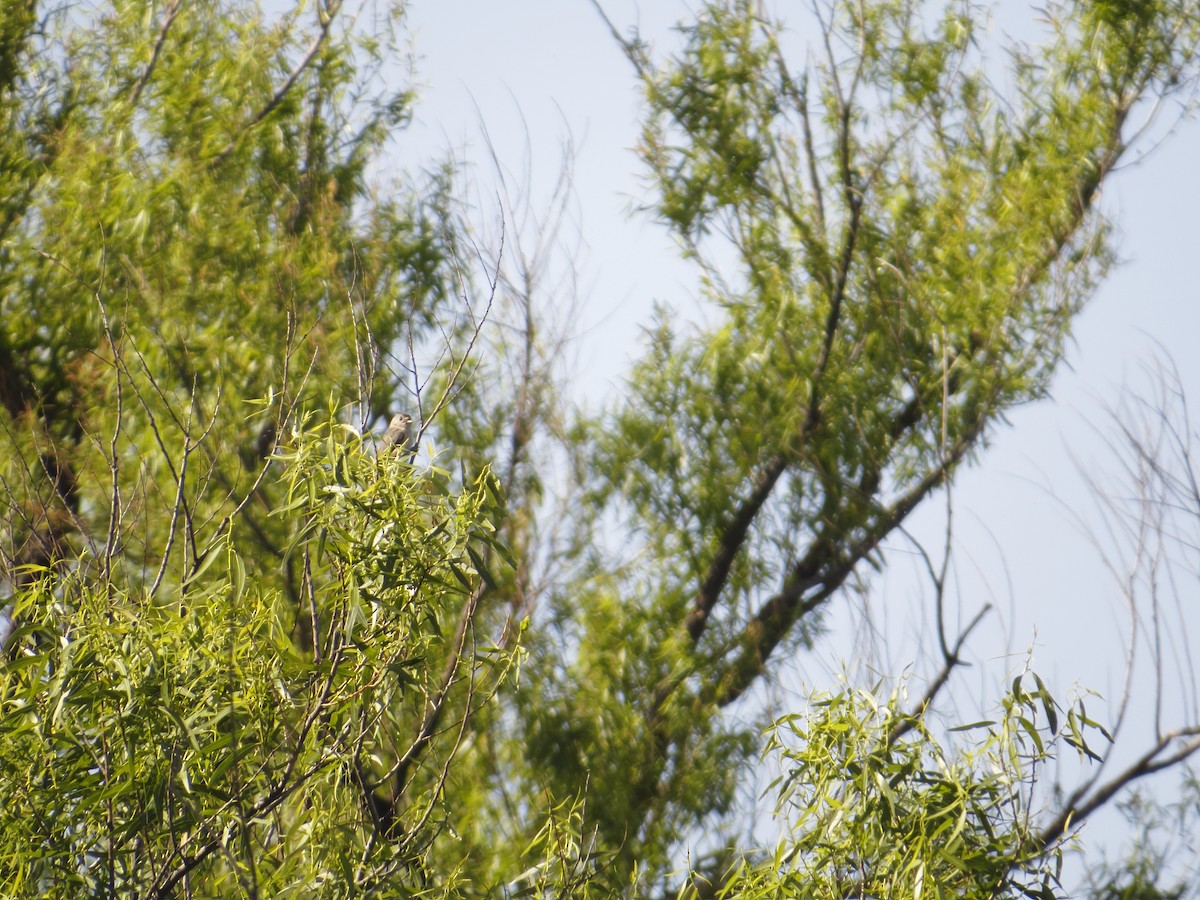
(398, 437)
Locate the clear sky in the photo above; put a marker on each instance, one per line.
(535, 71)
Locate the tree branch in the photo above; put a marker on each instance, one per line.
(325, 24)
(775, 618)
(1148, 763)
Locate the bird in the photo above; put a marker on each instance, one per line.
(398, 435)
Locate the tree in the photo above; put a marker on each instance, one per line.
(250, 655)
(232, 629)
(894, 249)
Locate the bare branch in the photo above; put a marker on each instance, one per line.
(1185, 741)
(952, 661)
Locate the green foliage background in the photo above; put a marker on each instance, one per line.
(251, 654)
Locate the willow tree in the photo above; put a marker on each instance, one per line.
(231, 630)
(247, 653)
(896, 228)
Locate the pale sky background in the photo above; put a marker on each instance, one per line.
(537, 71)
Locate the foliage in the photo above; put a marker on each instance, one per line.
(894, 243)
(236, 635)
(187, 741)
(1150, 868)
(877, 806)
(247, 654)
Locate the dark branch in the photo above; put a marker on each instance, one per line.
(1150, 762)
(952, 661)
(822, 570)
